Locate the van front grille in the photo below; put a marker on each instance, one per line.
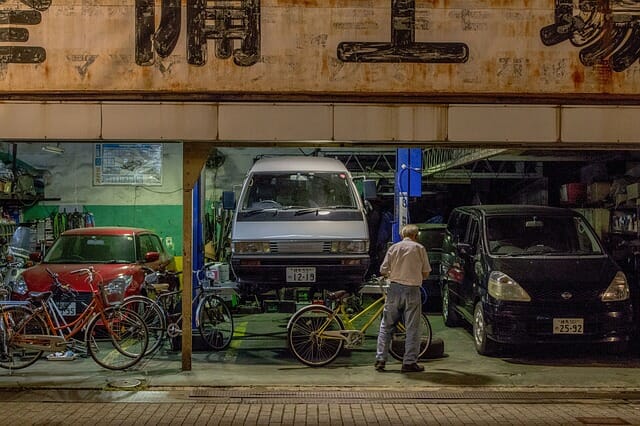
(300, 247)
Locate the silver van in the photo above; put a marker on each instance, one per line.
(299, 222)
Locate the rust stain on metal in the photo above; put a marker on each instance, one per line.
(604, 75)
(577, 76)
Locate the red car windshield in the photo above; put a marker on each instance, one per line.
(92, 249)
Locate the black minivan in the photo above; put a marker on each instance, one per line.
(523, 274)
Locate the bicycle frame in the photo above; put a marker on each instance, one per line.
(172, 326)
(372, 312)
(62, 331)
(351, 334)
(350, 321)
(317, 333)
(116, 339)
(161, 308)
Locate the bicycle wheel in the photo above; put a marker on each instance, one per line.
(396, 349)
(153, 316)
(215, 322)
(306, 337)
(16, 322)
(117, 339)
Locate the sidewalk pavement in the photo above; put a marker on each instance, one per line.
(257, 381)
(158, 392)
(195, 406)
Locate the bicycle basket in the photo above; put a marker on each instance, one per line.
(113, 293)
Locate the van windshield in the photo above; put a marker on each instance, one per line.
(543, 235)
(298, 190)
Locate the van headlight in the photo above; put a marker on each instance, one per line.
(357, 246)
(503, 287)
(618, 290)
(244, 247)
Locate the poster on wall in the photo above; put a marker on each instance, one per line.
(127, 164)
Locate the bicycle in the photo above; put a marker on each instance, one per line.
(116, 339)
(163, 316)
(317, 333)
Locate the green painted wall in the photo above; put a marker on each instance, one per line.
(165, 220)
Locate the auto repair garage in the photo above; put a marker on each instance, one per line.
(454, 123)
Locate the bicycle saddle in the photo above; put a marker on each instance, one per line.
(39, 296)
(161, 288)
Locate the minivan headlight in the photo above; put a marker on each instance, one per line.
(244, 247)
(503, 287)
(357, 246)
(618, 290)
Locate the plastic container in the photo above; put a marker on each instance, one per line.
(213, 272)
(224, 272)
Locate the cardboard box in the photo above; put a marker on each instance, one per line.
(633, 191)
(598, 191)
(598, 218)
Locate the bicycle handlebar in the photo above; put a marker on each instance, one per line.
(91, 273)
(58, 284)
(88, 271)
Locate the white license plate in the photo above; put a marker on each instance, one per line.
(301, 275)
(568, 326)
(68, 309)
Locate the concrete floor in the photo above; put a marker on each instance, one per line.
(259, 358)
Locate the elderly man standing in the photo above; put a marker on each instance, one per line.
(406, 265)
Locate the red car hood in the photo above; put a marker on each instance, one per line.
(38, 279)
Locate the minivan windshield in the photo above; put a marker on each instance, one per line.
(298, 190)
(516, 235)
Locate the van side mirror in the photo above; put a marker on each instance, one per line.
(369, 191)
(228, 200)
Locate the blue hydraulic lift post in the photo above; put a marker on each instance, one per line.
(408, 183)
(197, 243)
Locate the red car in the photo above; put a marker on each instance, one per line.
(116, 253)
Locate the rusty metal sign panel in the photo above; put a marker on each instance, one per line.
(473, 47)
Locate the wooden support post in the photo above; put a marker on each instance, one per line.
(194, 157)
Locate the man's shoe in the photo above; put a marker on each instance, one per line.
(411, 368)
(379, 366)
